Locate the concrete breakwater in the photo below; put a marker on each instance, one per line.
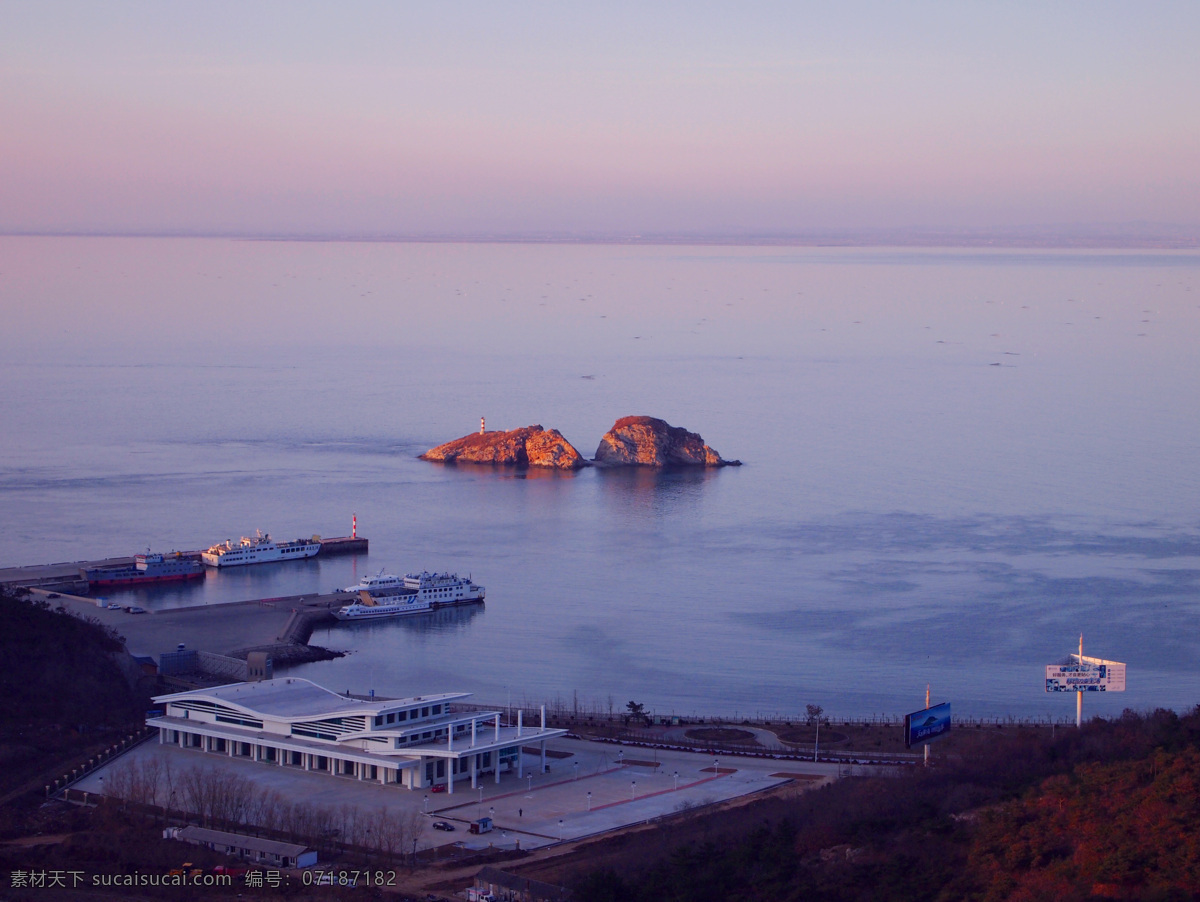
(68, 576)
(280, 627)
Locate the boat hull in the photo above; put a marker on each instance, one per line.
(130, 580)
(242, 558)
(420, 592)
(357, 612)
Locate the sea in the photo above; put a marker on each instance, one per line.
(955, 461)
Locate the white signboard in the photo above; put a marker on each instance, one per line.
(1086, 674)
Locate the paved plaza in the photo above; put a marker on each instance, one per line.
(589, 788)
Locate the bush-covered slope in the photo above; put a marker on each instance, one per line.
(1108, 811)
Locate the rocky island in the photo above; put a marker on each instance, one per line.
(529, 446)
(651, 442)
(632, 442)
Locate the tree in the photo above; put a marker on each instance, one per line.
(636, 711)
(814, 713)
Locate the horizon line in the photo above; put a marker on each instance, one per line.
(1112, 236)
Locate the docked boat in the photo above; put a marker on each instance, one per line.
(259, 549)
(147, 568)
(377, 583)
(418, 593)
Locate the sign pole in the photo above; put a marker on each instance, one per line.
(927, 708)
(1079, 694)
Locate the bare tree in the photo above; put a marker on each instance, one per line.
(414, 828)
(232, 798)
(152, 774)
(388, 833)
(814, 713)
(169, 786)
(347, 825)
(120, 782)
(263, 810)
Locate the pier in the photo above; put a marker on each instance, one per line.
(280, 626)
(67, 576)
(344, 545)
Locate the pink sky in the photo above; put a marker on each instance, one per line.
(374, 118)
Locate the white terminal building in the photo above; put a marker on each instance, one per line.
(414, 742)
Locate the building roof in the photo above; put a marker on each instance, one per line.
(288, 697)
(241, 841)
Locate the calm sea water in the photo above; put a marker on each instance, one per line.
(956, 461)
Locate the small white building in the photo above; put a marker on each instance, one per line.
(289, 722)
(252, 848)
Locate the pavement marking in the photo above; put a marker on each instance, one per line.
(660, 792)
(526, 792)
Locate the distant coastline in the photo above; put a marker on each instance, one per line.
(1112, 236)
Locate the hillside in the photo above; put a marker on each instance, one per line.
(1108, 811)
(62, 688)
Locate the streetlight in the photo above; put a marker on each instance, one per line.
(715, 763)
(620, 757)
(633, 793)
(560, 829)
(426, 804)
(575, 765)
(676, 780)
(589, 800)
(529, 777)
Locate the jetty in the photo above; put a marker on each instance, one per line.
(68, 576)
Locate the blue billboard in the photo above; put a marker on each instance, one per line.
(926, 725)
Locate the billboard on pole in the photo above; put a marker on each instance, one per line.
(1084, 674)
(926, 725)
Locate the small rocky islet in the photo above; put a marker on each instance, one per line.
(529, 446)
(635, 441)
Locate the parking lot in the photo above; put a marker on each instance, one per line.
(588, 788)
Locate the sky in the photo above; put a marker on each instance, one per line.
(527, 118)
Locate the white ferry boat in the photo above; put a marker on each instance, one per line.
(259, 549)
(419, 592)
(377, 583)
